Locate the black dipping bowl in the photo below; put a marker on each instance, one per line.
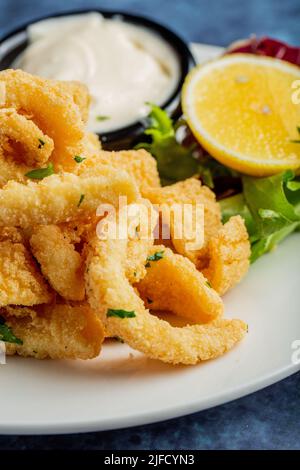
(16, 41)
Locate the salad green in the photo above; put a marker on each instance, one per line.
(7, 335)
(270, 207)
(174, 161)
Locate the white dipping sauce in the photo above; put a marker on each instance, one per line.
(123, 65)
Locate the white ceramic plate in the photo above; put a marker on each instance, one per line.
(122, 388)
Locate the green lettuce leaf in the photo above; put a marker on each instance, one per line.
(174, 161)
(270, 207)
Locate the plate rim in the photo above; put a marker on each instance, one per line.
(144, 418)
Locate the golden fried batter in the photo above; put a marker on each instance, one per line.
(229, 253)
(35, 147)
(61, 198)
(173, 283)
(60, 263)
(192, 192)
(138, 163)
(60, 331)
(91, 144)
(11, 170)
(11, 234)
(137, 252)
(80, 95)
(50, 108)
(20, 280)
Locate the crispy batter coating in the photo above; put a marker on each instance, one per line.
(36, 147)
(59, 331)
(2, 93)
(192, 192)
(174, 284)
(50, 108)
(60, 198)
(11, 170)
(138, 163)
(108, 288)
(138, 247)
(229, 253)
(80, 95)
(92, 144)
(60, 263)
(12, 234)
(20, 280)
(137, 252)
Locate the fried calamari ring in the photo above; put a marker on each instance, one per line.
(60, 263)
(108, 288)
(191, 192)
(59, 331)
(32, 145)
(20, 280)
(229, 253)
(173, 283)
(61, 198)
(138, 163)
(50, 108)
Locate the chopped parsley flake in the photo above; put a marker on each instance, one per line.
(155, 257)
(80, 200)
(41, 173)
(79, 159)
(120, 313)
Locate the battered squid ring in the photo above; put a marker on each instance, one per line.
(52, 109)
(60, 198)
(191, 296)
(108, 288)
(228, 254)
(36, 147)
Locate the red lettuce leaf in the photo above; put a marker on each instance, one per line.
(268, 47)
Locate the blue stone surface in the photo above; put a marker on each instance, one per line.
(269, 419)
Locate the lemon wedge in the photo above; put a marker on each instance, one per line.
(243, 109)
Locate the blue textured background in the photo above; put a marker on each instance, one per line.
(269, 419)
